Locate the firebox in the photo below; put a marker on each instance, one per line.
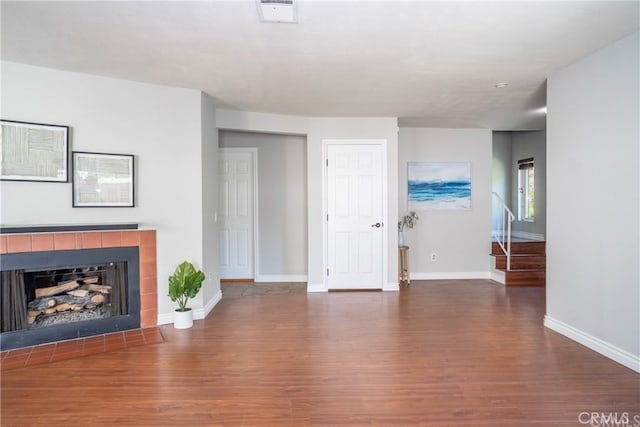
(57, 295)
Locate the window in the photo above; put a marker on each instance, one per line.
(526, 192)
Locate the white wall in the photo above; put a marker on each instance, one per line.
(593, 208)
(461, 239)
(523, 146)
(211, 292)
(282, 204)
(317, 130)
(160, 125)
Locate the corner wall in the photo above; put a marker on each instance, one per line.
(593, 232)
(160, 125)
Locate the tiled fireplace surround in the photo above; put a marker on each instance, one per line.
(145, 240)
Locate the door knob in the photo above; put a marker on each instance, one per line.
(377, 225)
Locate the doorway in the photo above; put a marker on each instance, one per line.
(280, 224)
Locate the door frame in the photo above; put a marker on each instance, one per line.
(385, 205)
(254, 157)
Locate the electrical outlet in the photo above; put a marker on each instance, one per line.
(434, 257)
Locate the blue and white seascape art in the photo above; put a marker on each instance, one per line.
(439, 185)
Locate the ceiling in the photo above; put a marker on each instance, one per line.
(431, 64)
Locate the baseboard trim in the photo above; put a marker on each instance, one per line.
(614, 353)
(208, 307)
(165, 318)
(391, 286)
(316, 287)
(198, 313)
(499, 276)
(280, 278)
(451, 275)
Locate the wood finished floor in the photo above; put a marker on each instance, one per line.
(436, 353)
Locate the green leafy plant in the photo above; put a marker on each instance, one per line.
(185, 283)
(408, 220)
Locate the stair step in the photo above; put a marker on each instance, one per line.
(520, 248)
(522, 262)
(525, 278)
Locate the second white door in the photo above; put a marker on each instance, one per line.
(237, 168)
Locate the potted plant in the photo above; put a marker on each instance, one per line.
(408, 220)
(184, 283)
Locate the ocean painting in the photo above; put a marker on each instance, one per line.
(439, 185)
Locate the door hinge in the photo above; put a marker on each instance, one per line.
(327, 272)
(327, 162)
(327, 217)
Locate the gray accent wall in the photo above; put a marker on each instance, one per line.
(523, 146)
(461, 240)
(501, 175)
(593, 221)
(508, 148)
(282, 202)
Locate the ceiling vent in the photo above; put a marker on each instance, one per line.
(278, 11)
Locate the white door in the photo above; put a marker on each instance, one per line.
(237, 169)
(354, 216)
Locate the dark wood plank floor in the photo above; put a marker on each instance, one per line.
(437, 353)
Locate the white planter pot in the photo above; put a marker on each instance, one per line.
(183, 319)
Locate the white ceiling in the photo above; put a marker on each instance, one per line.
(430, 64)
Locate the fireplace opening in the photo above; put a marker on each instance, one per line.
(58, 295)
(73, 294)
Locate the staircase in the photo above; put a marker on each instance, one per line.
(528, 263)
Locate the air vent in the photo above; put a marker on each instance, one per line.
(277, 11)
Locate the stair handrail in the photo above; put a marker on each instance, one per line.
(504, 238)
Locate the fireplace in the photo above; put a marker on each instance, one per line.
(56, 295)
(63, 285)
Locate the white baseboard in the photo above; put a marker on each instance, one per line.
(208, 307)
(165, 318)
(451, 275)
(319, 287)
(391, 286)
(279, 278)
(498, 276)
(614, 353)
(316, 287)
(198, 313)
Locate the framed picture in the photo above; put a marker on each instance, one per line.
(439, 185)
(34, 152)
(102, 180)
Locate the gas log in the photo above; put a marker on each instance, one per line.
(104, 289)
(55, 290)
(60, 303)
